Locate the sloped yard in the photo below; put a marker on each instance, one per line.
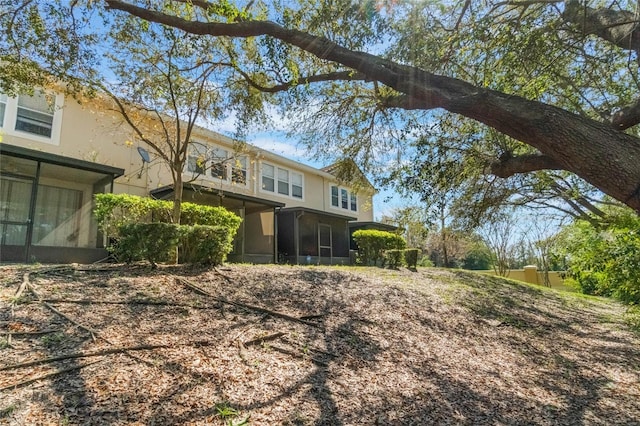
(269, 345)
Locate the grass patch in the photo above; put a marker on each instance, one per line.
(228, 414)
(7, 411)
(52, 339)
(632, 318)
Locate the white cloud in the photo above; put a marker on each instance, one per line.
(277, 123)
(278, 145)
(226, 126)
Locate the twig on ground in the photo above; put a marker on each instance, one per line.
(35, 333)
(47, 376)
(203, 292)
(103, 352)
(297, 355)
(76, 355)
(23, 285)
(92, 332)
(261, 340)
(14, 302)
(310, 348)
(126, 302)
(311, 316)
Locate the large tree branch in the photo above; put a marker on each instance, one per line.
(333, 76)
(627, 116)
(592, 150)
(509, 166)
(618, 27)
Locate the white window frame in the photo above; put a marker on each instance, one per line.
(352, 198)
(10, 119)
(3, 110)
(229, 164)
(240, 164)
(215, 159)
(271, 177)
(277, 180)
(196, 150)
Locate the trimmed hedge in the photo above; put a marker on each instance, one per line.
(411, 257)
(114, 210)
(373, 243)
(205, 244)
(146, 241)
(394, 258)
(199, 214)
(139, 229)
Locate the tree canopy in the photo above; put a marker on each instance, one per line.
(518, 87)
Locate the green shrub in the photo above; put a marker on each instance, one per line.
(411, 257)
(149, 241)
(394, 258)
(604, 260)
(114, 210)
(205, 237)
(425, 262)
(198, 214)
(205, 244)
(373, 243)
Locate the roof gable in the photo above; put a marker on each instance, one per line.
(347, 171)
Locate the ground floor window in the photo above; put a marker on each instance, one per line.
(45, 204)
(15, 195)
(57, 219)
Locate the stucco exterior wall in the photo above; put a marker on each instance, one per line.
(93, 131)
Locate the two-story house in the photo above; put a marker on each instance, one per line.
(56, 153)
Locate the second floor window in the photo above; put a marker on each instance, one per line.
(3, 108)
(343, 198)
(35, 114)
(239, 170)
(38, 115)
(197, 158)
(282, 181)
(218, 163)
(219, 158)
(268, 174)
(296, 185)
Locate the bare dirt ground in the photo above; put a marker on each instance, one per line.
(277, 345)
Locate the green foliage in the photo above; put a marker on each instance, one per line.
(394, 258)
(146, 241)
(604, 259)
(373, 243)
(114, 210)
(139, 230)
(478, 257)
(425, 262)
(411, 257)
(205, 244)
(632, 318)
(193, 214)
(531, 49)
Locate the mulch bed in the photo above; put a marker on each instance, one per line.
(268, 345)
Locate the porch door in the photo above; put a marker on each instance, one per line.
(15, 208)
(325, 243)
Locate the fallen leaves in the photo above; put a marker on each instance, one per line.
(307, 345)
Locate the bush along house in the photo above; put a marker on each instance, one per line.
(57, 153)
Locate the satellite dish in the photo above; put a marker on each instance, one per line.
(145, 159)
(144, 154)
